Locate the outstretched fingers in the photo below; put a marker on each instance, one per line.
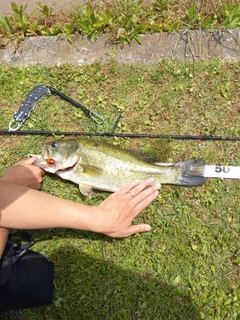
(126, 204)
(145, 198)
(145, 190)
(125, 190)
(137, 228)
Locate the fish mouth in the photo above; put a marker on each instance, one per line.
(51, 166)
(67, 169)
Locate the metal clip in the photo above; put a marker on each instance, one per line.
(93, 115)
(10, 128)
(96, 117)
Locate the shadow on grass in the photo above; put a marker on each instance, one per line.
(92, 288)
(89, 288)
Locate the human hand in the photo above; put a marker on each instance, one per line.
(121, 207)
(25, 174)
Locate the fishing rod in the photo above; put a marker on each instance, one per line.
(120, 135)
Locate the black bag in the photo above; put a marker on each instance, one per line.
(26, 276)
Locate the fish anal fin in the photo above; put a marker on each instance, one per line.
(86, 190)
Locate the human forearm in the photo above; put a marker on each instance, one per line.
(3, 239)
(26, 208)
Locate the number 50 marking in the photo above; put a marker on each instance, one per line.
(223, 169)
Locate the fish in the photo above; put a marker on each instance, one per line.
(103, 166)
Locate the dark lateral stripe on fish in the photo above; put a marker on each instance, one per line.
(191, 172)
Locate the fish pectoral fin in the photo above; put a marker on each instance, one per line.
(92, 171)
(86, 190)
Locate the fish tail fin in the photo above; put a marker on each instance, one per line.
(191, 172)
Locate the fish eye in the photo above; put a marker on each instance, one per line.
(54, 144)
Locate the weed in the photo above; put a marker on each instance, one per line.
(123, 20)
(44, 12)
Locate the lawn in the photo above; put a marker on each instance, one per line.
(188, 266)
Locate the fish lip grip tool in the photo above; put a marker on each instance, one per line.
(36, 94)
(27, 106)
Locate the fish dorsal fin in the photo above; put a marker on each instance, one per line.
(142, 155)
(92, 171)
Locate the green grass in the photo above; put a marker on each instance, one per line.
(188, 266)
(123, 20)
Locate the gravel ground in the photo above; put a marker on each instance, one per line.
(59, 5)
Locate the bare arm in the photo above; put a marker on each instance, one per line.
(25, 174)
(3, 239)
(27, 208)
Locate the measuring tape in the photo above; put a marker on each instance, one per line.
(224, 172)
(215, 171)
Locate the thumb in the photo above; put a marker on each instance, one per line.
(29, 160)
(138, 228)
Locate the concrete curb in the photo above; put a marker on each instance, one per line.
(186, 45)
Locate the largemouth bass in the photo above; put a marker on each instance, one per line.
(98, 165)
